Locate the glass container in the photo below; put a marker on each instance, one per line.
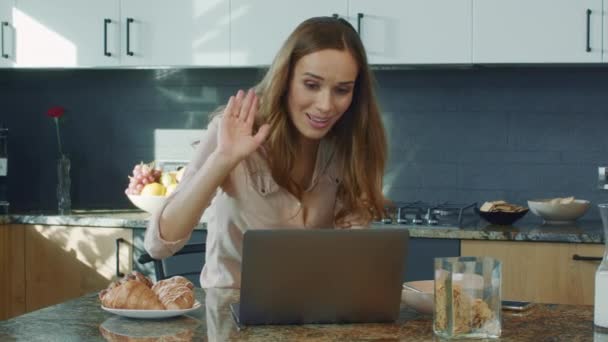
(467, 297)
(64, 201)
(600, 317)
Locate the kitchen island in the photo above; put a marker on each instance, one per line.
(87, 249)
(82, 319)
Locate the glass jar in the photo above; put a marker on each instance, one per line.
(468, 300)
(600, 317)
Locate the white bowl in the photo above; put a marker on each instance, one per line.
(558, 212)
(423, 301)
(147, 203)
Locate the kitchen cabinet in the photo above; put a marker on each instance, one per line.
(122, 33)
(49, 36)
(542, 272)
(259, 28)
(12, 268)
(7, 34)
(67, 262)
(541, 31)
(605, 32)
(414, 31)
(176, 33)
(51, 264)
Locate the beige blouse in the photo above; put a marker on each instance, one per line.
(249, 199)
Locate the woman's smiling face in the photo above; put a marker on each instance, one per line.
(320, 91)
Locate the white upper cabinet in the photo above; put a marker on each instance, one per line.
(176, 33)
(539, 31)
(605, 33)
(414, 31)
(106, 33)
(67, 33)
(7, 34)
(259, 27)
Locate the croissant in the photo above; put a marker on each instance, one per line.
(175, 293)
(130, 293)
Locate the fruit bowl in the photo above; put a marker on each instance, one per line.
(555, 212)
(147, 203)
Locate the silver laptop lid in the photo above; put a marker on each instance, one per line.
(322, 276)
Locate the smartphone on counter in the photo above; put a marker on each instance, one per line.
(516, 305)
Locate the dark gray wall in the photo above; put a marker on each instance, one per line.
(462, 135)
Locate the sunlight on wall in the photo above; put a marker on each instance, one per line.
(39, 45)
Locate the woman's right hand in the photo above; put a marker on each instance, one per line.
(235, 138)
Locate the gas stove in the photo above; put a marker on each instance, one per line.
(431, 214)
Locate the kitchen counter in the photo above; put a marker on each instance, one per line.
(122, 218)
(530, 229)
(83, 319)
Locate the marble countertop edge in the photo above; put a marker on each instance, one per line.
(580, 232)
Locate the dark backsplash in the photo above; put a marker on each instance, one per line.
(461, 135)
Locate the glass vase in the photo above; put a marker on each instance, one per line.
(600, 317)
(64, 201)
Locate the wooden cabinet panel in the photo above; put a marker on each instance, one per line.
(541, 272)
(67, 262)
(12, 269)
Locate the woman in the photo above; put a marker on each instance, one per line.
(306, 149)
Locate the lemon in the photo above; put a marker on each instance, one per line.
(170, 189)
(153, 189)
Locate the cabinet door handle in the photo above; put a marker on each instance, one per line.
(588, 30)
(118, 273)
(105, 37)
(129, 21)
(586, 258)
(4, 23)
(359, 18)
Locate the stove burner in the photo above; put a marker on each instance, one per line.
(422, 213)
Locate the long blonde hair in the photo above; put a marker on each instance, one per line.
(359, 136)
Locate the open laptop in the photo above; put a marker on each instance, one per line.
(321, 276)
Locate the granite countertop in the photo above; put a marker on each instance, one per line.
(112, 218)
(529, 229)
(82, 319)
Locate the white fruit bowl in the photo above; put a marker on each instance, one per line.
(558, 212)
(147, 203)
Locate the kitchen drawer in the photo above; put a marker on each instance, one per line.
(542, 272)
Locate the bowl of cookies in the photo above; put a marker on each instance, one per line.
(501, 212)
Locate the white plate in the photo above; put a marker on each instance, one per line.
(152, 314)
